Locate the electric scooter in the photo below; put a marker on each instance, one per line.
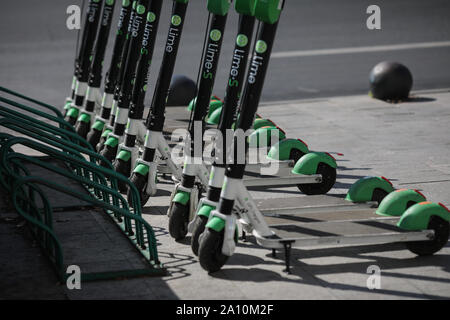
(109, 149)
(82, 62)
(104, 122)
(128, 151)
(93, 94)
(145, 168)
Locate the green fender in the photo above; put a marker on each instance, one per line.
(219, 7)
(141, 169)
(398, 201)
(254, 140)
(362, 190)
(106, 133)
(282, 149)
(98, 125)
(73, 112)
(217, 224)
(182, 197)
(214, 118)
(205, 210)
(67, 104)
(309, 163)
(213, 106)
(259, 123)
(124, 155)
(112, 142)
(84, 117)
(418, 216)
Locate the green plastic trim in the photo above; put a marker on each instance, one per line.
(73, 112)
(246, 7)
(205, 210)
(268, 11)
(362, 190)
(282, 149)
(142, 169)
(255, 141)
(106, 133)
(112, 142)
(182, 197)
(67, 105)
(214, 105)
(418, 216)
(259, 123)
(214, 118)
(396, 202)
(219, 7)
(124, 155)
(84, 117)
(98, 125)
(309, 163)
(216, 224)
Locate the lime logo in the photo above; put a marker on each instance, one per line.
(176, 20)
(215, 35)
(242, 40)
(144, 88)
(125, 3)
(140, 9)
(109, 2)
(261, 46)
(151, 17)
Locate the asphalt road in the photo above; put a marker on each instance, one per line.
(37, 50)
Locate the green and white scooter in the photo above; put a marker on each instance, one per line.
(93, 94)
(109, 149)
(104, 122)
(156, 147)
(82, 62)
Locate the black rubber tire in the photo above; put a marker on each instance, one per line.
(178, 221)
(378, 195)
(210, 251)
(82, 128)
(140, 182)
(109, 153)
(199, 227)
(296, 154)
(441, 229)
(328, 180)
(93, 137)
(124, 168)
(70, 120)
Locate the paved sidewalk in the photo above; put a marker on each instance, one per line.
(407, 143)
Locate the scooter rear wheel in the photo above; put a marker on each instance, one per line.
(210, 250)
(199, 227)
(178, 221)
(441, 229)
(109, 153)
(328, 180)
(82, 128)
(70, 120)
(140, 182)
(124, 168)
(296, 154)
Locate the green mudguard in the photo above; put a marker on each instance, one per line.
(398, 201)
(98, 125)
(308, 164)
(256, 139)
(73, 112)
(363, 189)
(418, 216)
(205, 210)
(123, 155)
(141, 169)
(182, 197)
(112, 142)
(84, 117)
(282, 149)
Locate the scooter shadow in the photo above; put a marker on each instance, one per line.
(251, 268)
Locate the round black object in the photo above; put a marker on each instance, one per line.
(182, 90)
(390, 81)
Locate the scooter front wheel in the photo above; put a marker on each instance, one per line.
(124, 168)
(441, 229)
(109, 153)
(93, 137)
(198, 228)
(328, 180)
(178, 221)
(140, 182)
(70, 120)
(82, 128)
(210, 250)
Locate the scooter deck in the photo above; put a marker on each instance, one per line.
(334, 227)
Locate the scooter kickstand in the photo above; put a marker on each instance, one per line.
(287, 255)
